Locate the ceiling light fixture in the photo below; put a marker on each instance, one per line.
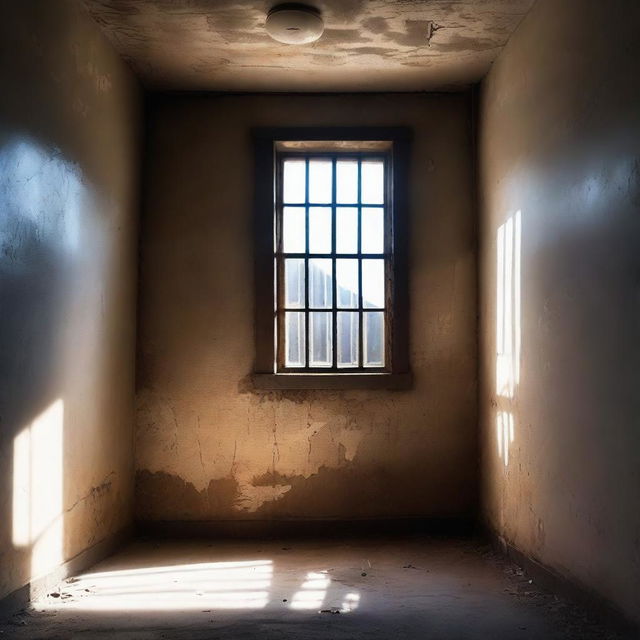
(294, 23)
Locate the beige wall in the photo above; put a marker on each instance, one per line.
(207, 447)
(560, 144)
(68, 172)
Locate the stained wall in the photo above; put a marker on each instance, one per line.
(208, 447)
(69, 132)
(560, 266)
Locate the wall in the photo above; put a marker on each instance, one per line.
(560, 293)
(68, 172)
(210, 448)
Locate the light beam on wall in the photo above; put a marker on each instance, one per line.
(37, 489)
(508, 330)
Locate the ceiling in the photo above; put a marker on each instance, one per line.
(368, 45)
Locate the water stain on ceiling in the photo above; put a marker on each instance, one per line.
(368, 45)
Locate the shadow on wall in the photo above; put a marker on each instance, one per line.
(508, 309)
(44, 198)
(64, 123)
(41, 203)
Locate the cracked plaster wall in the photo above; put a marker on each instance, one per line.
(207, 446)
(68, 180)
(560, 143)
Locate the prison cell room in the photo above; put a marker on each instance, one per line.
(319, 320)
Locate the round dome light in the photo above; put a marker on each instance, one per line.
(294, 24)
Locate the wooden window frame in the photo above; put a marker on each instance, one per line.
(266, 142)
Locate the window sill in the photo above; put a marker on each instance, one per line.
(332, 381)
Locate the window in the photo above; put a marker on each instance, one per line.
(332, 262)
(331, 290)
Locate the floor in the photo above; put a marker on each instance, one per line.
(356, 589)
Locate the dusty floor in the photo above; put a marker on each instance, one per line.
(402, 588)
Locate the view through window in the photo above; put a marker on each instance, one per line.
(333, 262)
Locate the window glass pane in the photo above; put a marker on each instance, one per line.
(293, 228)
(357, 200)
(347, 283)
(293, 182)
(294, 339)
(320, 339)
(320, 283)
(373, 339)
(346, 230)
(320, 181)
(347, 181)
(373, 283)
(373, 182)
(372, 230)
(348, 339)
(320, 230)
(294, 283)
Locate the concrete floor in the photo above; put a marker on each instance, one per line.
(374, 588)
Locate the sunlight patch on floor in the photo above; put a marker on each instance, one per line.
(207, 586)
(210, 585)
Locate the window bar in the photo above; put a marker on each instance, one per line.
(329, 309)
(334, 314)
(388, 235)
(342, 255)
(280, 347)
(307, 345)
(342, 204)
(359, 247)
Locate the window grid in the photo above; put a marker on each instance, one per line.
(334, 309)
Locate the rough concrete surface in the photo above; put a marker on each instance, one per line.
(69, 126)
(560, 312)
(373, 588)
(209, 447)
(368, 45)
